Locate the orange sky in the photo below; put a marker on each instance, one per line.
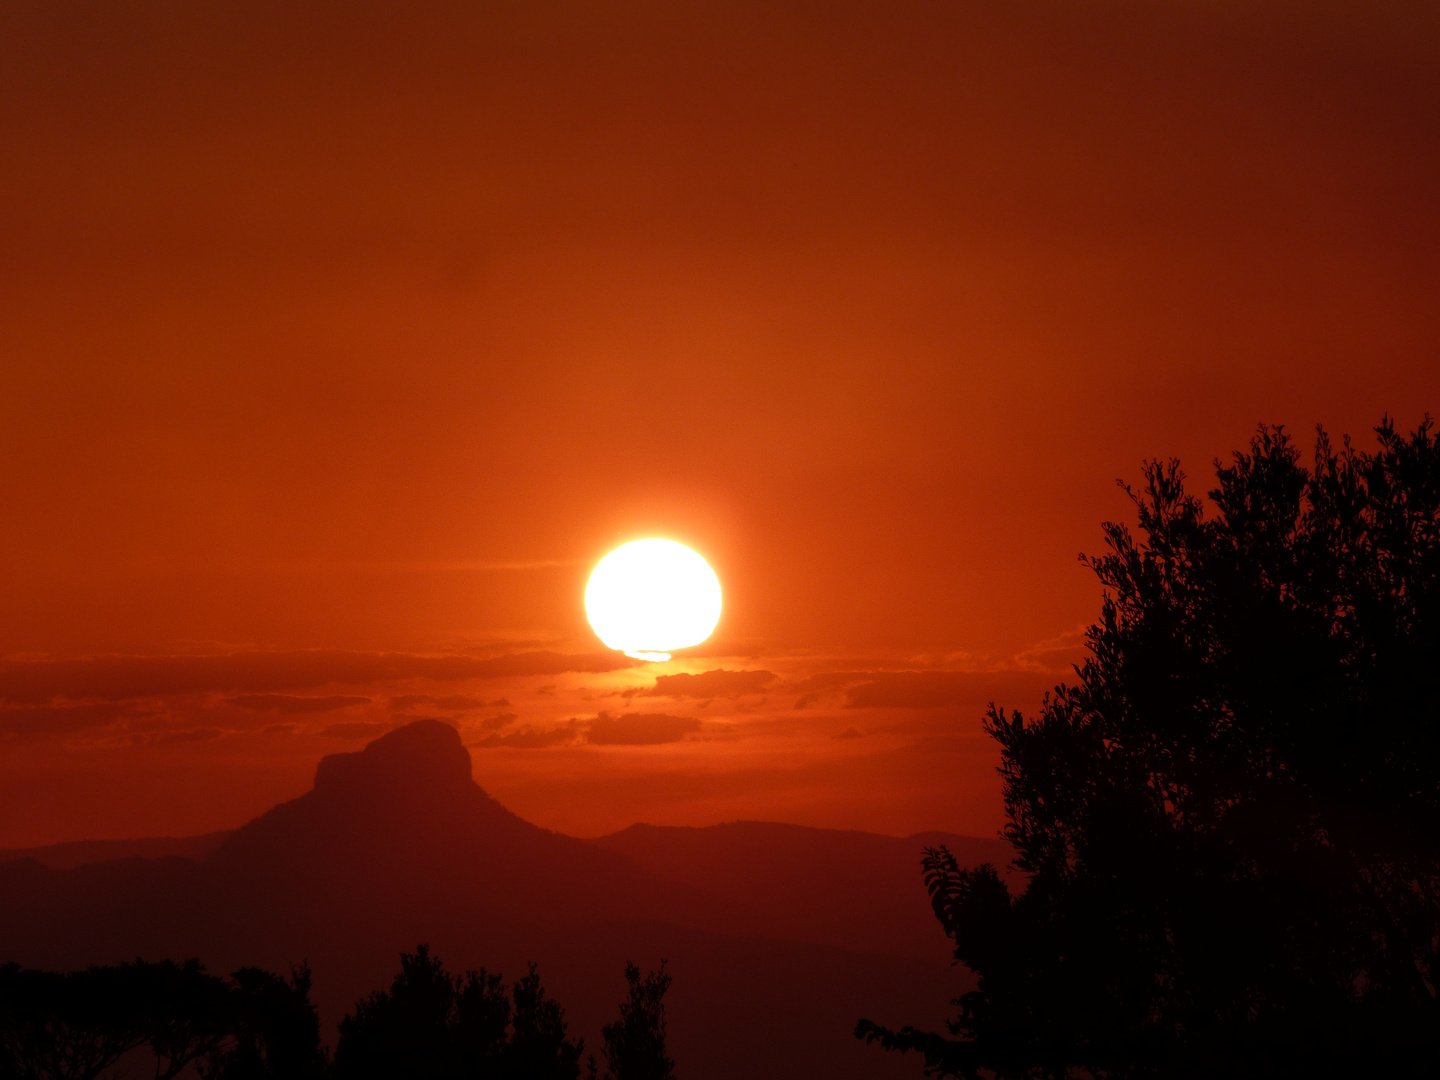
(338, 338)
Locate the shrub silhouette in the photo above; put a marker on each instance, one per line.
(274, 1029)
(538, 1047)
(429, 1025)
(74, 1025)
(77, 1025)
(1232, 819)
(434, 1026)
(635, 1044)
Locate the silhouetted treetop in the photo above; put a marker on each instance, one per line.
(1232, 817)
(431, 1025)
(635, 1044)
(78, 1025)
(275, 1030)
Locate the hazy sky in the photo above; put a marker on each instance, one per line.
(338, 338)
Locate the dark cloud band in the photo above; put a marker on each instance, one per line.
(121, 678)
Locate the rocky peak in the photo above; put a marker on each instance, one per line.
(424, 756)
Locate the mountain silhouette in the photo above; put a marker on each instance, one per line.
(771, 875)
(401, 826)
(73, 853)
(396, 844)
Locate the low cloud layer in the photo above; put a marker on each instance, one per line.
(357, 730)
(287, 703)
(710, 684)
(927, 689)
(630, 729)
(65, 719)
(121, 678)
(455, 703)
(533, 738)
(639, 729)
(939, 689)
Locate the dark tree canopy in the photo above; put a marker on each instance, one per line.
(255, 1025)
(635, 1044)
(274, 1030)
(73, 1025)
(431, 1025)
(78, 1025)
(1232, 819)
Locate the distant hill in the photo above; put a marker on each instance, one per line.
(856, 890)
(75, 853)
(778, 936)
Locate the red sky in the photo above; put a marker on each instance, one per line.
(337, 339)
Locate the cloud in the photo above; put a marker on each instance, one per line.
(168, 738)
(939, 689)
(927, 689)
(65, 719)
(1061, 653)
(356, 730)
(709, 684)
(849, 733)
(495, 723)
(533, 738)
(458, 703)
(121, 678)
(285, 703)
(632, 729)
(639, 729)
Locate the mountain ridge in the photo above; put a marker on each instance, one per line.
(396, 844)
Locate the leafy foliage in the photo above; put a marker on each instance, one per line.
(275, 1030)
(429, 1025)
(434, 1026)
(1231, 821)
(77, 1025)
(635, 1044)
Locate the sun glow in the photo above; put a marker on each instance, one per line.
(649, 597)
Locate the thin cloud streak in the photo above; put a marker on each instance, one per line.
(287, 703)
(405, 566)
(924, 689)
(118, 678)
(709, 684)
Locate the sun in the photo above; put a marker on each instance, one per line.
(650, 597)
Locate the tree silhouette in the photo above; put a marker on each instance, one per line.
(405, 1031)
(483, 1015)
(77, 1025)
(1231, 821)
(275, 1030)
(429, 1025)
(182, 1013)
(538, 1046)
(70, 1026)
(434, 1026)
(635, 1044)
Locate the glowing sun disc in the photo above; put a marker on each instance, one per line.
(650, 597)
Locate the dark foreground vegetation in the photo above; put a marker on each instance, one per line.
(1230, 824)
(255, 1025)
(1232, 819)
